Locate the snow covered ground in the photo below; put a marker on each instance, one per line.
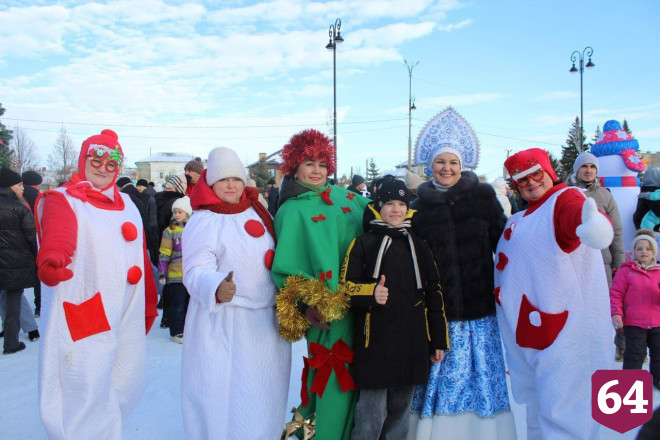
(158, 415)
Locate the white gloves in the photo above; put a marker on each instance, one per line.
(596, 230)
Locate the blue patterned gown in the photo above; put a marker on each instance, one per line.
(471, 378)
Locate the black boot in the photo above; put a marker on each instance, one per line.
(21, 346)
(34, 335)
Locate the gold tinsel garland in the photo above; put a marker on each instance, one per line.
(315, 293)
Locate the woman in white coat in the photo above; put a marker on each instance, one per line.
(235, 367)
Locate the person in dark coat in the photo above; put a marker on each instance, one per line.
(650, 183)
(148, 198)
(396, 299)
(357, 184)
(18, 253)
(175, 188)
(273, 198)
(126, 186)
(31, 190)
(462, 221)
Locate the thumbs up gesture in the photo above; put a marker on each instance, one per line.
(227, 289)
(596, 230)
(380, 292)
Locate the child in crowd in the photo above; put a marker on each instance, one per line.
(395, 334)
(637, 285)
(170, 268)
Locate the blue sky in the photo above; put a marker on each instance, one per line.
(188, 76)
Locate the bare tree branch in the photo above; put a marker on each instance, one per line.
(25, 155)
(63, 158)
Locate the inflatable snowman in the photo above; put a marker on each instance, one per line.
(619, 166)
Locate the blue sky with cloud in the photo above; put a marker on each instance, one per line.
(188, 76)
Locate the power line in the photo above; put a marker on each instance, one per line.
(200, 126)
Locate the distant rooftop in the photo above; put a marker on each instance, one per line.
(167, 157)
(272, 159)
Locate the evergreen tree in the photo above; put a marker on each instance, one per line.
(261, 175)
(372, 171)
(5, 139)
(570, 151)
(554, 162)
(597, 134)
(626, 128)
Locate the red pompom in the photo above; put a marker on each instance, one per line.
(134, 275)
(254, 228)
(307, 145)
(268, 259)
(129, 231)
(502, 261)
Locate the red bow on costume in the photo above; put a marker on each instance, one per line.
(326, 361)
(346, 209)
(320, 218)
(350, 196)
(325, 276)
(325, 195)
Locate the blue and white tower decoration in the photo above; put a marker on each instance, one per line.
(619, 166)
(447, 128)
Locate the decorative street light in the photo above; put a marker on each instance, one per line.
(587, 52)
(411, 107)
(335, 39)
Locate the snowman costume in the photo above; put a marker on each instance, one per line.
(235, 367)
(618, 171)
(553, 304)
(95, 311)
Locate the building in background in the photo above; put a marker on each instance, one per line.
(160, 166)
(273, 162)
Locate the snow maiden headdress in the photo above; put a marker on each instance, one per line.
(447, 132)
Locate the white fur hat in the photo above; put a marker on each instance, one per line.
(224, 162)
(183, 204)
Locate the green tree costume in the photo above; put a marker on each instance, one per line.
(314, 231)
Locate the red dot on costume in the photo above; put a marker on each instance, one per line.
(496, 292)
(129, 231)
(134, 275)
(507, 233)
(255, 228)
(268, 259)
(502, 261)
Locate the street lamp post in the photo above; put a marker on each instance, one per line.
(411, 107)
(577, 56)
(335, 39)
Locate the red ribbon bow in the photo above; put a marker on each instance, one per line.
(350, 196)
(346, 209)
(326, 361)
(325, 195)
(320, 218)
(325, 276)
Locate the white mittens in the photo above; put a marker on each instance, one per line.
(596, 230)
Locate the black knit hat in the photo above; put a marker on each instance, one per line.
(195, 165)
(31, 178)
(142, 182)
(123, 181)
(9, 177)
(356, 180)
(389, 188)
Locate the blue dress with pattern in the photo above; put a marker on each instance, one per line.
(472, 376)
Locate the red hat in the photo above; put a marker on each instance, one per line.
(104, 144)
(308, 145)
(526, 162)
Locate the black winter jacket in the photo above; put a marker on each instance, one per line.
(462, 226)
(18, 243)
(164, 202)
(392, 342)
(149, 233)
(30, 195)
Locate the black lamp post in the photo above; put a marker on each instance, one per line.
(577, 56)
(411, 107)
(335, 39)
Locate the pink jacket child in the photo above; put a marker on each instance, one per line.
(635, 304)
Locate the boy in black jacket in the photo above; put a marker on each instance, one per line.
(398, 312)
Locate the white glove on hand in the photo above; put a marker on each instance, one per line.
(596, 230)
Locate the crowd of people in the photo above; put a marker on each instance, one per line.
(405, 291)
